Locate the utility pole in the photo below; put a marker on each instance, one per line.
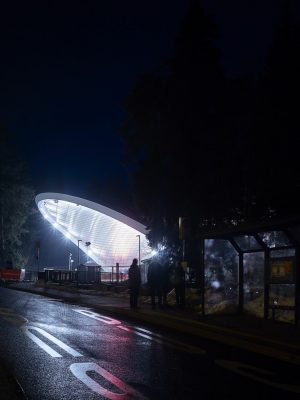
(78, 254)
(78, 260)
(70, 262)
(139, 236)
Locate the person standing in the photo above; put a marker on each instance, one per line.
(178, 280)
(154, 278)
(134, 283)
(165, 282)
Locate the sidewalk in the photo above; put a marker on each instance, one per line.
(271, 338)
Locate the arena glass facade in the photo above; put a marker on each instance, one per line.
(106, 236)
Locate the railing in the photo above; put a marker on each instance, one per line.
(275, 307)
(84, 275)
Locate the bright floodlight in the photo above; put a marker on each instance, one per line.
(112, 235)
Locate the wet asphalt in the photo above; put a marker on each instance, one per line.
(59, 350)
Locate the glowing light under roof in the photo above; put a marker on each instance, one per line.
(113, 236)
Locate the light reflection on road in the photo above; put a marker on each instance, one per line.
(145, 333)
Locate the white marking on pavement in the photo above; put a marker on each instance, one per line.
(53, 339)
(143, 333)
(80, 371)
(98, 317)
(42, 344)
(169, 342)
(241, 369)
(124, 328)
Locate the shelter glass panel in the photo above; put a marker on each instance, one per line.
(247, 242)
(282, 266)
(282, 287)
(275, 239)
(254, 283)
(282, 302)
(221, 277)
(282, 253)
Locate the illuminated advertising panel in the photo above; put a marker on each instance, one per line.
(282, 270)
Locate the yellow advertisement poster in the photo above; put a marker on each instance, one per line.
(282, 269)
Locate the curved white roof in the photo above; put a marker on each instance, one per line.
(113, 236)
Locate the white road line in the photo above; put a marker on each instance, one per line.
(98, 317)
(80, 371)
(124, 328)
(142, 332)
(53, 339)
(170, 342)
(42, 344)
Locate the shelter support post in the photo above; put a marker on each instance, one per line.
(297, 285)
(202, 275)
(266, 284)
(241, 283)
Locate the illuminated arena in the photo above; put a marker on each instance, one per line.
(106, 236)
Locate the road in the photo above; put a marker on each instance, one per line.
(59, 351)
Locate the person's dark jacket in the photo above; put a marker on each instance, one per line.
(134, 275)
(154, 275)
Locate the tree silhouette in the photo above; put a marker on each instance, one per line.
(16, 198)
(173, 123)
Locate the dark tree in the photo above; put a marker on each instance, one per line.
(173, 132)
(278, 120)
(216, 151)
(16, 201)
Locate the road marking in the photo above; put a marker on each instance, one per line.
(168, 341)
(42, 344)
(124, 328)
(53, 339)
(143, 333)
(241, 369)
(98, 317)
(80, 371)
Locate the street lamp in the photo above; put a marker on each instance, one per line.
(78, 260)
(139, 236)
(87, 246)
(78, 257)
(70, 260)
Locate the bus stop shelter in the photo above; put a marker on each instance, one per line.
(253, 269)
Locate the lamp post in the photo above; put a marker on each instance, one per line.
(78, 257)
(139, 236)
(87, 247)
(70, 261)
(78, 260)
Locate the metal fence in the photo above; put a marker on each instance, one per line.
(85, 274)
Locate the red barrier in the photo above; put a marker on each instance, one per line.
(7, 274)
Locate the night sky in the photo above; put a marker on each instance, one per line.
(67, 66)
